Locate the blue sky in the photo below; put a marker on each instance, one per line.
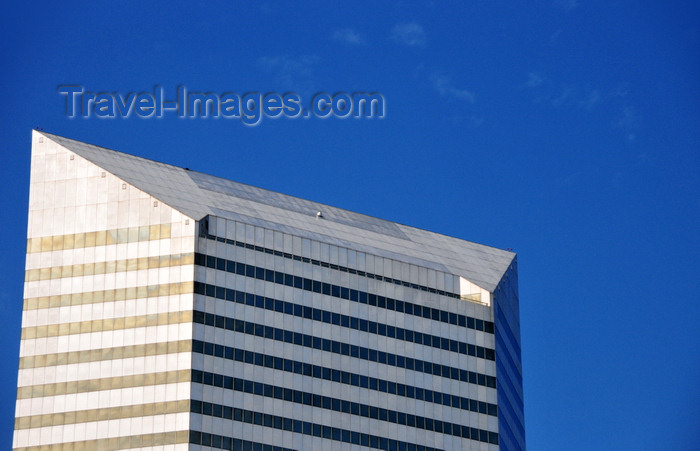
(565, 130)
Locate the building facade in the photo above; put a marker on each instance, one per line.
(166, 309)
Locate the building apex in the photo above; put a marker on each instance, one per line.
(198, 195)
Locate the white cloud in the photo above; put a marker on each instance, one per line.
(628, 120)
(467, 121)
(349, 37)
(569, 95)
(567, 4)
(592, 99)
(534, 80)
(410, 34)
(562, 98)
(443, 84)
(572, 98)
(292, 72)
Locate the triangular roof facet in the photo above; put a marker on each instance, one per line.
(197, 195)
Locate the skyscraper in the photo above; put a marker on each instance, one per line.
(173, 310)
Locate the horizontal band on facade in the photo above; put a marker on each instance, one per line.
(104, 325)
(117, 294)
(99, 238)
(116, 443)
(362, 297)
(330, 432)
(337, 347)
(103, 354)
(107, 383)
(324, 402)
(108, 267)
(102, 414)
(328, 317)
(294, 425)
(230, 443)
(346, 269)
(343, 377)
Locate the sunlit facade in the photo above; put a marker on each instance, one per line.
(166, 309)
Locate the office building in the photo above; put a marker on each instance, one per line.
(166, 309)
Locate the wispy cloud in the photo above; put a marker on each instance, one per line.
(534, 80)
(443, 84)
(563, 98)
(568, 95)
(611, 104)
(628, 121)
(410, 34)
(349, 37)
(471, 121)
(566, 4)
(591, 99)
(293, 72)
(573, 97)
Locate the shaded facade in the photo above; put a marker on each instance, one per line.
(170, 309)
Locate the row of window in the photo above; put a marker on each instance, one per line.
(320, 401)
(329, 432)
(230, 443)
(337, 319)
(351, 294)
(343, 377)
(337, 347)
(323, 264)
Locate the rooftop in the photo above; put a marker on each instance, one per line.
(197, 195)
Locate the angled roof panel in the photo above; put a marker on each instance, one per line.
(197, 195)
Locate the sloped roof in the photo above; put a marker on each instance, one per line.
(197, 195)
